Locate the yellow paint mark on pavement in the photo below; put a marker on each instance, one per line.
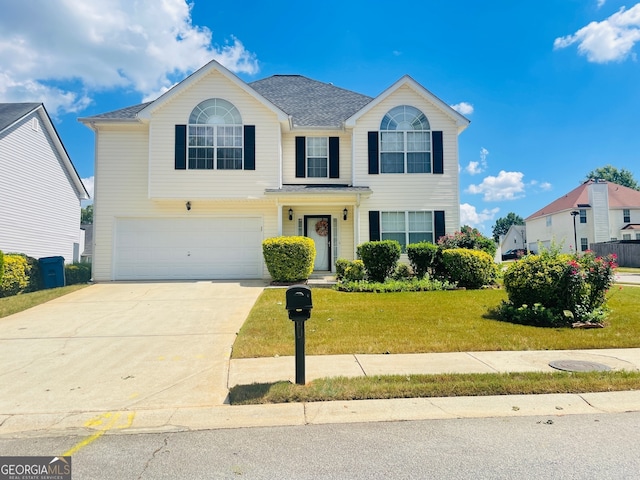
(103, 423)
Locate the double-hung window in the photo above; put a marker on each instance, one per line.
(405, 141)
(317, 157)
(406, 227)
(626, 215)
(583, 216)
(215, 136)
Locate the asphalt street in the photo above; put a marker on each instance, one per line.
(543, 447)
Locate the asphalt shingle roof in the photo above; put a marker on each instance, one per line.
(127, 113)
(619, 197)
(309, 102)
(10, 112)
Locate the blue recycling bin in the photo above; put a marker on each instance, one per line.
(52, 272)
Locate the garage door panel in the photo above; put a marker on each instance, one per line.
(200, 248)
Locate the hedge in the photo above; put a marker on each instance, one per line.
(289, 259)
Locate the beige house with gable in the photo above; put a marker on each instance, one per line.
(189, 185)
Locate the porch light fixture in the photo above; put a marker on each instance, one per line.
(344, 214)
(290, 214)
(188, 205)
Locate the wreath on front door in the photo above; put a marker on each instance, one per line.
(322, 228)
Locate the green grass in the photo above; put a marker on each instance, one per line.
(24, 301)
(445, 385)
(420, 322)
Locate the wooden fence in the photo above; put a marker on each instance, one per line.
(628, 252)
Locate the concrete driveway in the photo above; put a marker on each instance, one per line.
(122, 346)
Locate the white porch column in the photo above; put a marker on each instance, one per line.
(279, 219)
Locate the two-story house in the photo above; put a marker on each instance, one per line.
(189, 185)
(40, 189)
(596, 211)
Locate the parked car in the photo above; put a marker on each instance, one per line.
(514, 254)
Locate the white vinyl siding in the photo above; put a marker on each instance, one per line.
(165, 182)
(39, 206)
(289, 157)
(415, 192)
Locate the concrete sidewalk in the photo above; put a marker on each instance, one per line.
(273, 369)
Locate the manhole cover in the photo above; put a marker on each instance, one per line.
(579, 366)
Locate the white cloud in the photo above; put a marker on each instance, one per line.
(475, 168)
(463, 108)
(470, 216)
(506, 186)
(545, 186)
(82, 47)
(609, 40)
(601, 3)
(88, 184)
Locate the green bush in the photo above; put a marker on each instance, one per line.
(469, 268)
(15, 279)
(380, 258)
(289, 259)
(563, 288)
(403, 272)
(77, 273)
(469, 238)
(414, 285)
(1, 265)
(349, 270)
(422, 257)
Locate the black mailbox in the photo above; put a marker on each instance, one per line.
(299, 302)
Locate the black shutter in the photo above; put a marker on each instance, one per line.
(373, 153)
(180, 156)
(438, 152)
(300, 157)
(374, 225)
(249, 147)
(438, 220)
(334, 157)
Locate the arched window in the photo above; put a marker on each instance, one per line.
(215, 136)
(405, 141)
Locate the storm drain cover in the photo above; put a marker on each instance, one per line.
(579, 366)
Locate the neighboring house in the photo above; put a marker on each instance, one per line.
(87, 253)
(514, 239)
(40, 190)
(189, 185)
(602, 211)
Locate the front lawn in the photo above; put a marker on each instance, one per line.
(441, 321)
(23, 301)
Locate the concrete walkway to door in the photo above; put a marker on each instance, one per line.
(121, 347)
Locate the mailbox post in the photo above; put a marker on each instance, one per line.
(299, 306)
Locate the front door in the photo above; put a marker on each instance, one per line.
(318, 228)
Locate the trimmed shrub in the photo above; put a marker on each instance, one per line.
(414, 285)
(349, 270)
(15, 279)
(422, 257)
(469, 268)
(1, 265)
(77, 273)
(380, 258)
(469, 238)
(403, 272)
(289, 259)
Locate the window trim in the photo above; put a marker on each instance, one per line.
(307, 157)
(407, 227)
(215, 131)
(626, 215)
(389, 121)
(583, 215)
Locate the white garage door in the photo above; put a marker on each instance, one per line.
(188, 248)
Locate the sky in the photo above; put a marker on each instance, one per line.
(552, 87)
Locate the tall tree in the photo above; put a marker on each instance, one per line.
(502, 224)
(86, 215)
(612, 174)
